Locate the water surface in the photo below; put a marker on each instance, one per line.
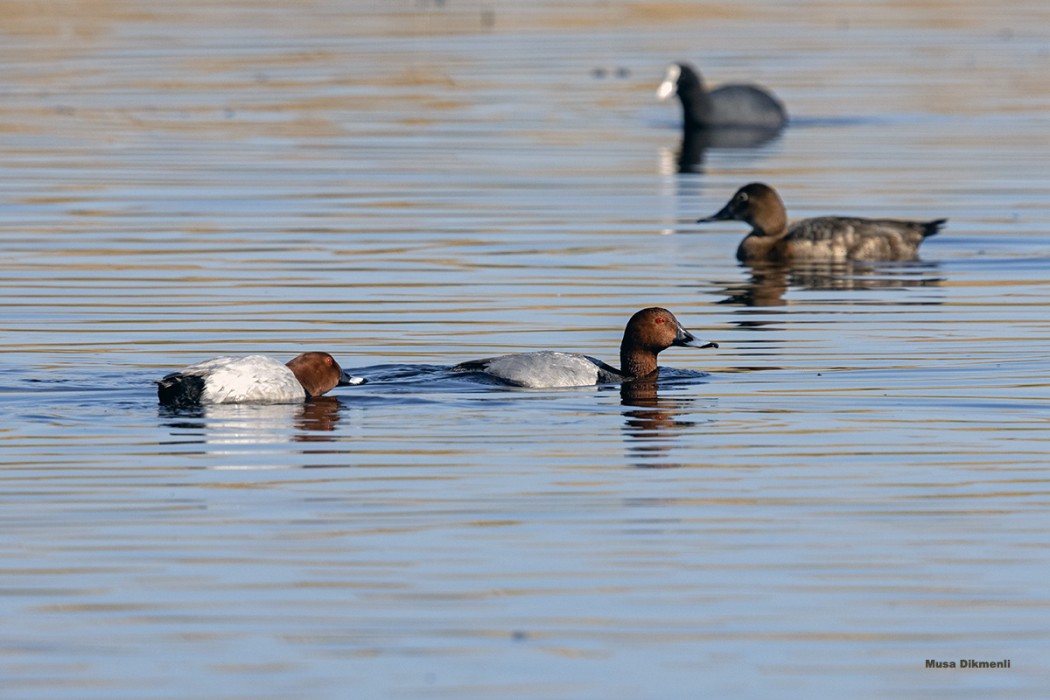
(853, 483)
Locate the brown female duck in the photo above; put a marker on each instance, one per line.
(824, 238)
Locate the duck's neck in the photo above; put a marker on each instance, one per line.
(771, 224)
(637, 362)
(695, 108)
(769, 228)
(758, 246)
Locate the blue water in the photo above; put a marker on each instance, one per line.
(854, 482)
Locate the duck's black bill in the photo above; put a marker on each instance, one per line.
(723, 214)
(348, 380)
(685, 339)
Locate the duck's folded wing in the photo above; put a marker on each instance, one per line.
(545, 369)
(850, 238)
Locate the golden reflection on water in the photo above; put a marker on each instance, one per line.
(858, 483)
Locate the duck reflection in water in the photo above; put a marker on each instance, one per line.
(313, 420)
(696, 141)
(317, 417)
(769, 283)
(651, 425)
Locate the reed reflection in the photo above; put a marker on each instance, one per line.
(769, 282)
(651, 425)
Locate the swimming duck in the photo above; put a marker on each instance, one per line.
(726, 107)
(253, 379)
(647, 333)
(824, 238)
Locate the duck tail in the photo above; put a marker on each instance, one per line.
(180, 390)
(932, 228)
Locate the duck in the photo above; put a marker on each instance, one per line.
(253, 379)
(648, 332)
(727, 107)
(823, 238)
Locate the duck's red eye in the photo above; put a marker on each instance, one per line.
(659, 319)
(328, 360)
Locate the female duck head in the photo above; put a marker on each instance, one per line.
(756, 204)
